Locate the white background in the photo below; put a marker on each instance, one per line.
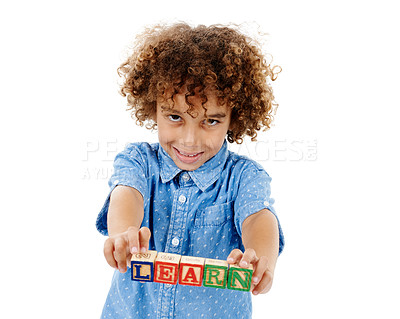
(332, 153)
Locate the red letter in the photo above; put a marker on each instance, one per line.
(190, 276)
(166, 272)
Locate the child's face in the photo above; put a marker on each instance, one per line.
(192, 141)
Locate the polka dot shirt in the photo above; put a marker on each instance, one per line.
(195, 213)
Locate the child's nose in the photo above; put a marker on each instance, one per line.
(190, 136)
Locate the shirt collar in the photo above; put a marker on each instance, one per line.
(203, 177)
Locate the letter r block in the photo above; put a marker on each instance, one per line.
(166, 268)
(191, 271)
(215, 273)
(239, 278)
(142, 266)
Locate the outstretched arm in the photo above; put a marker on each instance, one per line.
(260, 236)
(125, 215)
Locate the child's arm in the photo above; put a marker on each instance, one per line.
(125, 215)
(260, 235)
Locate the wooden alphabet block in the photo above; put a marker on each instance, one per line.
(142, 265)
(239, 278)
(215, 273)
(166, 268)
(191, 271)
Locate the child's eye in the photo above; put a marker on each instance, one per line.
(211, 122)
(174, 118)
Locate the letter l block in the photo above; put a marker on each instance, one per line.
(142, 266)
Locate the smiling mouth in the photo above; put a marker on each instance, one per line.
(187, 158)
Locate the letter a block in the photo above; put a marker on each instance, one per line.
(240, 278)
(142, 265)
(215, 273)
(166, 268)
(191, 271)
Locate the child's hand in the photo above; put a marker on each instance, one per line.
(262, 276)
(118, 249)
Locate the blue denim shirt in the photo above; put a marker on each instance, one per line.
(195, 213)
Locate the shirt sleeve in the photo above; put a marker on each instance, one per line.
(129, 170)
(254, 195)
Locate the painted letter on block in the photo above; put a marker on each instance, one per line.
(166, 268)
(215, 273)
(142, 265)
(239, 278)
(191, 271)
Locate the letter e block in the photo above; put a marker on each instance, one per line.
(142, 265)
(240, 278)
(166, 268)
(215, 273)
(191, 271)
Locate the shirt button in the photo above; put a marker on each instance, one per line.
(266, 203)
(175, 241)
(182, 199)
(186, 177)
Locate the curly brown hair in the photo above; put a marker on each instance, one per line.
(167, 57)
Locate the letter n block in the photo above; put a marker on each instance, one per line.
(191, 271)
(215, 273)
(166, 268)
(240, 278)
(142, 265)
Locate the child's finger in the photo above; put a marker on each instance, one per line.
(248, 258)
(133, 239)
(120, 253)
(144, 237)
(109, 253)
(234, 256)
(264, 285)
(259, 270)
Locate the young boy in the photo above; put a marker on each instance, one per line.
(188, 194)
